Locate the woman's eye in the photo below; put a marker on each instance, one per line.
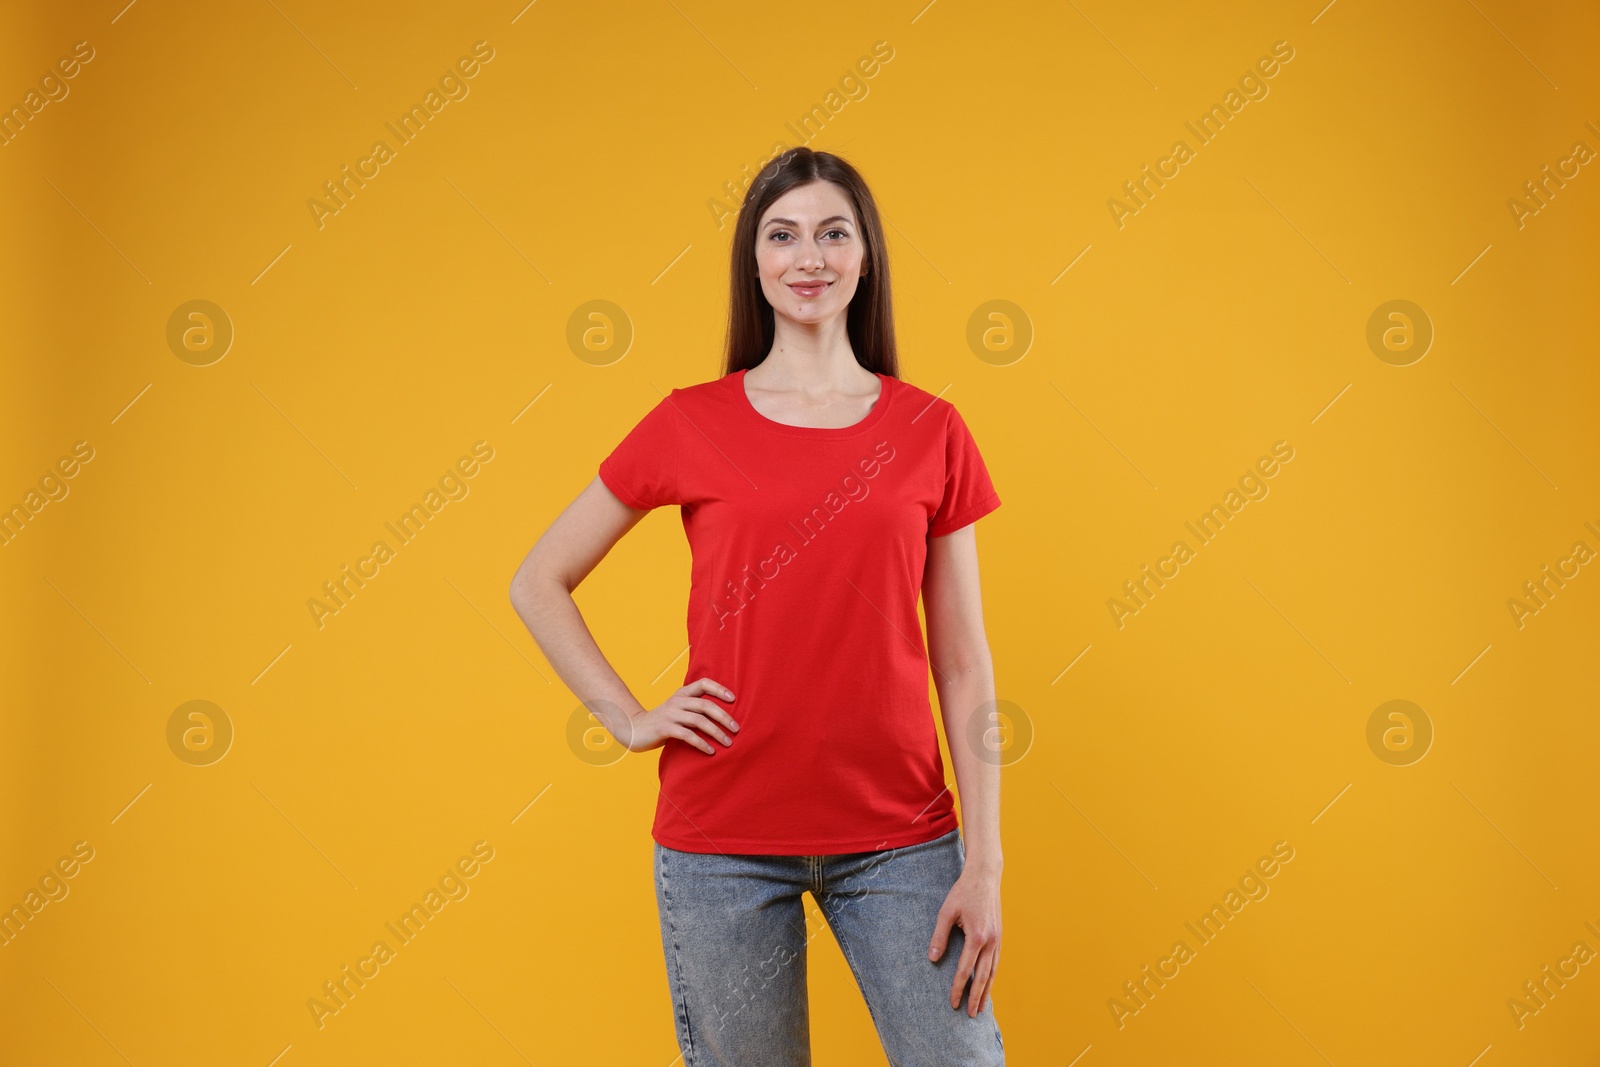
(784, 233)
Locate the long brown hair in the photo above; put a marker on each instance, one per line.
(869, 321)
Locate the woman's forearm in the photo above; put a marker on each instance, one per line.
(965, 693)
(547, 609)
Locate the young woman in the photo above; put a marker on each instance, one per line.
(819, 494)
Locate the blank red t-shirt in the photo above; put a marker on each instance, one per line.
(808, 548)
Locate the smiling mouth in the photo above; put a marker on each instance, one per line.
(810, 288)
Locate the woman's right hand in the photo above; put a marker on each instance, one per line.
(684, 715)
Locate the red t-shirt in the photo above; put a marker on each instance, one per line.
(808, 548)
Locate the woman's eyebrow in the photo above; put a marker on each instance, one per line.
(791, 222)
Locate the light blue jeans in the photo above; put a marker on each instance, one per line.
(734, 931)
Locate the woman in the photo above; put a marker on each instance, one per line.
(819, 493)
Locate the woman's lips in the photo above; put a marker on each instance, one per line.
(811, 288)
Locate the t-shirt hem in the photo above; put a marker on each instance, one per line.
(811, 847)
(966, 518)
(622, 494)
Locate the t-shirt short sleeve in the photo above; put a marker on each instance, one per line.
(969, 495)
(643, 469)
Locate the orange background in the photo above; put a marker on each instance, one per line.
(436, 309)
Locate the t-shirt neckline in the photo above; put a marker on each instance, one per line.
(879, 409)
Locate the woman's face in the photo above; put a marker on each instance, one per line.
(808, 238)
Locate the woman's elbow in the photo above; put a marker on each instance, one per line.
(964, 659)
(527, 578)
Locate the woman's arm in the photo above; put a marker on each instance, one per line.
(541, 593)
(963, 675)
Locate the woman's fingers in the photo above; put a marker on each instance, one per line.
(965, 968)
(684, 715)
(981, 980)
(994, 968)
(941, 933)
(706, 685)
(706, 707)
(686, 734)
(704, 713)
(703, 722)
